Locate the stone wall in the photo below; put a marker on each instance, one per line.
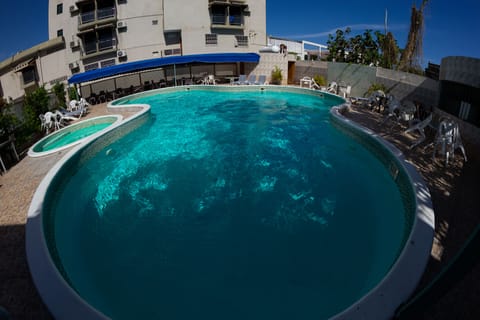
(268, 61)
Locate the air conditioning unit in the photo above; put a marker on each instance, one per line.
(121, 53)
(73, 65)
(121, 24)
(73, 8)
(74, 43)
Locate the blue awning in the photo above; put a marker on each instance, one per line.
(160, 62)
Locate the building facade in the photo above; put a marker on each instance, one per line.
(90, 34)
(101, 33)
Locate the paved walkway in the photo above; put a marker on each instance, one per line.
(454, 193)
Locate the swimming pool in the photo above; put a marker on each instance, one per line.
(254, 204)
(71, 135)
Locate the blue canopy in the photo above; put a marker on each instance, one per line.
(160, 62)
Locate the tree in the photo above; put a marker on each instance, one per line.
(338, 46)
(8, 120)
(35, 103)
(59, 91)
(412, 54)
(389, 48)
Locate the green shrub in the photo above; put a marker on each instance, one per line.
(59, 91)
(375, 87)
(35, 103)
(72, 94)
(276, 76)
(8, 121)
(320, 80)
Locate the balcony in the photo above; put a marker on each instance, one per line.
(226, 2)
(100, 16)
(227, 22)
(99, 47)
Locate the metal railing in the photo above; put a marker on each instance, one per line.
(219, 19)
(100, 14)
(101, 45)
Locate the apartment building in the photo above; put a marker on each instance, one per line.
(101, 33)
(86, 35)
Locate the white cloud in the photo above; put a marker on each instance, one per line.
(363, 26)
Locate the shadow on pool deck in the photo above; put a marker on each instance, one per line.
(454, 195)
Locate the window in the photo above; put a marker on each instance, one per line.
(173, 37)
(218, 14)
(107, 63)
(211, 39)
(60, 33)
(170, 52)
(60, 8)
(91, 66)
(28, 75)
(154, 22)
(235, 18)
(242, 41)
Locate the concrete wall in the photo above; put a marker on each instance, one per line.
(407, 86)
(268, 62)
(360, 77)
(310, 69)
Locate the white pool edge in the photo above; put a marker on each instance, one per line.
(34, 154)
(380, 303)
(400, 282)
(54, 290)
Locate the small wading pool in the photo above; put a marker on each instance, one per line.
(230, 203)
(71, 135)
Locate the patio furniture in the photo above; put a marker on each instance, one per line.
(420, 127)
(242, 79)
(345, 91)
(447, 140)
(251, 79)
(332, 87)
(262, 80)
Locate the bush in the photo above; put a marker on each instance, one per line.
(72, 93)
(8, 121)
(276, 76)
(35, 103)
(59, 91)
(320, 80)
(375, 87)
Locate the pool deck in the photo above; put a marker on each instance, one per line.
(454, 191)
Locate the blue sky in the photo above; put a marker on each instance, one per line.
(451, 27)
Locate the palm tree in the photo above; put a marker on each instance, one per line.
(411, 55)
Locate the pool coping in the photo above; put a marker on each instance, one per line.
(51, 286)
(379, 303)
(35, 154)
(386, 297)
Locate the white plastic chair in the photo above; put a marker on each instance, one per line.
(345, 91)
(48, 121)
(448, 140)
(393, 106)
(73, 105)
(332, 87)
(420, 127)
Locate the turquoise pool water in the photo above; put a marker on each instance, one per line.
(227, 206)
(67, 137)
(72, 134)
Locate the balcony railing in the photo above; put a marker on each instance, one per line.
(236, 20)
(100, 14)
(107, 44)
(101, 45)
(219, 19)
